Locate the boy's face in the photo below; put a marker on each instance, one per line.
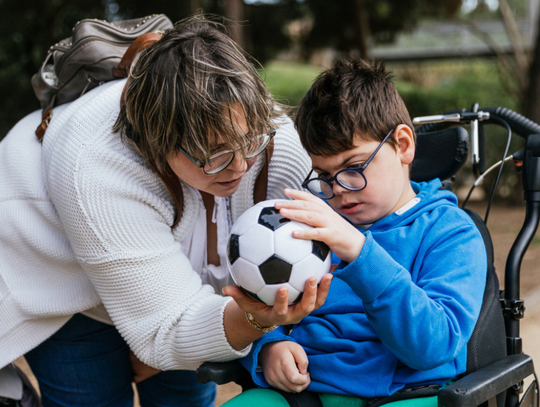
(388, 187)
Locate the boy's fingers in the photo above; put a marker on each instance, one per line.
(294, 193)
(301, 359)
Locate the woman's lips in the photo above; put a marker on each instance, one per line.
(230, 184)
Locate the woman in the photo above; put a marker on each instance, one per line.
(112, 226)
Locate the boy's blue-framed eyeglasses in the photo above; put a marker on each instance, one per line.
(352, 179)
(219, 161)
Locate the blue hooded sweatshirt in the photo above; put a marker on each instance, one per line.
(402, 313)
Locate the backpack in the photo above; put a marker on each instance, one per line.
(97, 52)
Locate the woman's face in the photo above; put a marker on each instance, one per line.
(224, 183)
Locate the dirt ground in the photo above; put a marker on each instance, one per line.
(504, 224)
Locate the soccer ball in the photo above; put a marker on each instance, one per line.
(263, 256)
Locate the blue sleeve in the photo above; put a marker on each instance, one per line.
(426, 315)
(250, 362)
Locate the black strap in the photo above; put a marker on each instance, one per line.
(303, 399)
(406, 394)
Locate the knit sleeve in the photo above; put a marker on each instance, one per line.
(117, 218)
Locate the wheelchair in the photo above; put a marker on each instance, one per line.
(496, 364)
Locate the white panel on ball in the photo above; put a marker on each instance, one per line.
(247, 275)
(256, 244)
(309, 267)
(246, 220)
(289, 248)
(268, 293)
(269, 203)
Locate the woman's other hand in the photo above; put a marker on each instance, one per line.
(140, 370)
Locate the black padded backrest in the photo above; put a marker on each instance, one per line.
(488, 341)
(439, 154)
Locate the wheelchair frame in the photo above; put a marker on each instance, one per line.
(482, 386)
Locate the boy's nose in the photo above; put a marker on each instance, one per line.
(338, 189)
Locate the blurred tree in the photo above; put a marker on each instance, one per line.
(531, 99)
(29, 27)
(351, 26)
(234, 10)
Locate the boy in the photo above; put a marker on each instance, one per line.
(408, 290)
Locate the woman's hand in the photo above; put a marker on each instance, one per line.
(281, 313)
(285, 366)
(140, 370)
(240, 333)
(328, 226)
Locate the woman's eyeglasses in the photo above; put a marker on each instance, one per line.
(352, 179)
(219, 161)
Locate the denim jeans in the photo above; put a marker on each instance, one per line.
(86, 363)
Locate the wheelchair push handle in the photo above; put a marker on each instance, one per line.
(519, 124)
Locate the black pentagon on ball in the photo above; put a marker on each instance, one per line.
(275, 270)
(270, 218)
(320, 249)
(233, 248)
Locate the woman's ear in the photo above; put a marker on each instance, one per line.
(406, 147)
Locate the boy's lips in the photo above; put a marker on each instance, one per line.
(350, 208)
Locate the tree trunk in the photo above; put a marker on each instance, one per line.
(362, 28)
(234, 10)
(531, 102)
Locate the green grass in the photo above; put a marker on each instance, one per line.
(432, 88)
(426, 88)
(288, 81)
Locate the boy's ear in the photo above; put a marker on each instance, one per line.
(406, 148)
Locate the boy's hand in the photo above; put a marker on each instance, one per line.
(285, 366)
(328, 226)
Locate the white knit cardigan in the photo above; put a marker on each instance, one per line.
(85, 220)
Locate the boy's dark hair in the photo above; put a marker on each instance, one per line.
(353, 97)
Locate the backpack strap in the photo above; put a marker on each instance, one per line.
(260, 191)
(122, 71)
(140, 44)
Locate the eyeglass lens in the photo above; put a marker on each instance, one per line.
(348, 178)
(222, 159)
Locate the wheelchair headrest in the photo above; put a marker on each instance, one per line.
(439, 154)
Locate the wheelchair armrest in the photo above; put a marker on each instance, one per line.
(484, 384)
(222, 372)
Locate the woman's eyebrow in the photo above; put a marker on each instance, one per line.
(217, 147)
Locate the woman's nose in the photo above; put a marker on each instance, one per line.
(239, 163)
